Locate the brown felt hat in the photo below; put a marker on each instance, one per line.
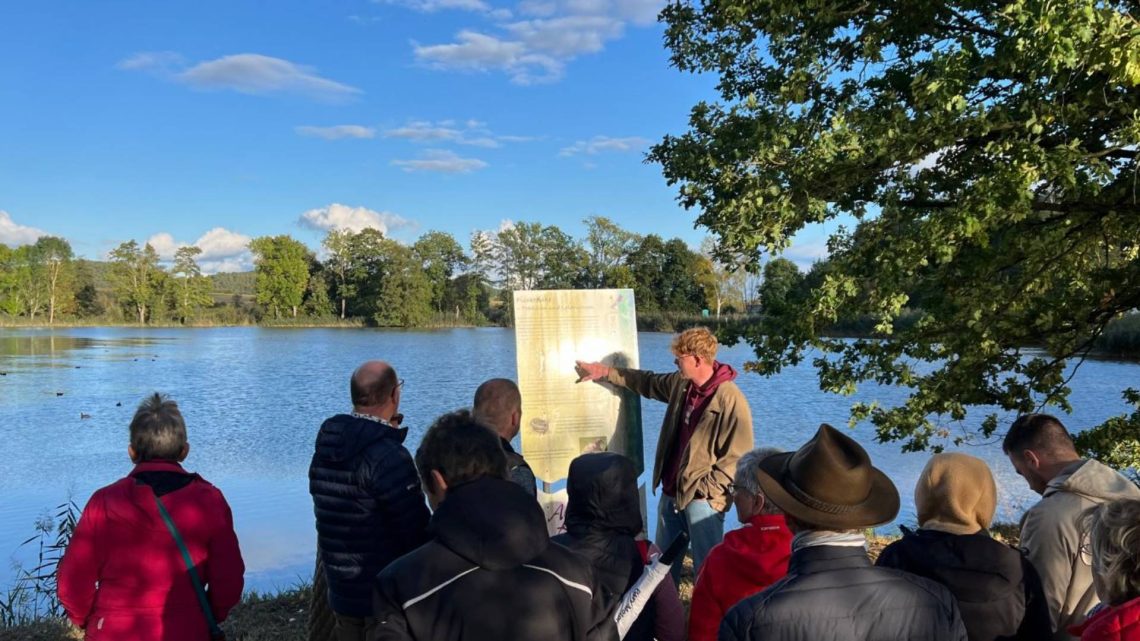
(829, 482)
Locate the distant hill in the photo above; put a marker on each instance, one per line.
(225, 284)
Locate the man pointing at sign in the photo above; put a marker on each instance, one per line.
(707, 427)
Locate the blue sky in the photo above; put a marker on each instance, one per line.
(214, 122)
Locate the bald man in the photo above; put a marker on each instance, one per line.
(367, 498)
(498, 405)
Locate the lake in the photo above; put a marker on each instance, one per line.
(253, 399)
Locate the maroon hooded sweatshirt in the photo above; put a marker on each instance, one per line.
(697, 399)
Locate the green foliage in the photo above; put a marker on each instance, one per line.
(531, 256)
(191, 290)
(134, 275)
(282, 268)
(980, 157)
(33, 596)
(441, 257)
(1116, 442)
(57, 273)
(607, 246)
(406, 290)
(780, 288)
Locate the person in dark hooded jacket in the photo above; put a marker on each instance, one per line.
(490, 571)
(366, 496)
(998, 591)
(603, 516)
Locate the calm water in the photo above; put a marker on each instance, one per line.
(253, 399)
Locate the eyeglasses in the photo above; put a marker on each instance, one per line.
(734, 489)
(400, 383)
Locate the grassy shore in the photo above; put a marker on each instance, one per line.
(284, 616)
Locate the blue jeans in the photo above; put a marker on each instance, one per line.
(703, 524)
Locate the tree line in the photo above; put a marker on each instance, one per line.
(366, 277)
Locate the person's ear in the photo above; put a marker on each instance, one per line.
(132, 454)
(760, 500)
(185, 452)
(439, 484)
(1031, 459)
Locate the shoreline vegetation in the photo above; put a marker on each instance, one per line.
(284, 615)
(1120, 340)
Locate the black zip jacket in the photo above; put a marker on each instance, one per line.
(368, 503)
(489, 573)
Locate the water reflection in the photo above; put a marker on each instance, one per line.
(253, 399)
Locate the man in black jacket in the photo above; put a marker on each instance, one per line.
(829, 493)
(498, 405)
(366, 496)
(490, 571)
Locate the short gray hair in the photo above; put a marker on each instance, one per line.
(746, 469)
(158, 431)
(1114, 537)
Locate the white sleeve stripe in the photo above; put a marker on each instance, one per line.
(576, 586)
(410, 602)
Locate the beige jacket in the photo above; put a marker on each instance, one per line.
(1051, 538)
(723, 435)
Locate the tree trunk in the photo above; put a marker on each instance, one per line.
(343, 302)
(294, 311)
(51, 310)
(142, 314)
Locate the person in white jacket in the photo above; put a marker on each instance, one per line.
(1042, 452)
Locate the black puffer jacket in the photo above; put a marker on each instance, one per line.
(998, 590)
(368, 503)
(520, 470)
(490, 572)
(603, 515)
(833, 593)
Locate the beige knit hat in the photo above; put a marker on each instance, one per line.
(955, 493)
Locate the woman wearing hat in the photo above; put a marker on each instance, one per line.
(998, 590)
(830, 492)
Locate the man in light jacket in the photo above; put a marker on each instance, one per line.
(1042, 452)
(707, 428)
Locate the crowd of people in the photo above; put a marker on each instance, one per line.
(452, 544)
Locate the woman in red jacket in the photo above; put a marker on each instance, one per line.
(123, 575)
(748, 560)
(1114, 540)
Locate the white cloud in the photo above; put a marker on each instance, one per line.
(337, 216)
(424, 131)
(480, 52)
(568, 36)
(473, 133)
(249, 73)
(601, 144)
(537, 50)
(336, 132)
(441, 160)
(155, 61)
(254, 73)
(13, 234)
(222, 250)
(164, 244)
(222, 243)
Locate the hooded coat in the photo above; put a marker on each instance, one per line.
(123, 576)
(997, 589)
(1051, 538)
(748, 560)
(833, 593)
(368, 504)
(603, 516)
(489, 572)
